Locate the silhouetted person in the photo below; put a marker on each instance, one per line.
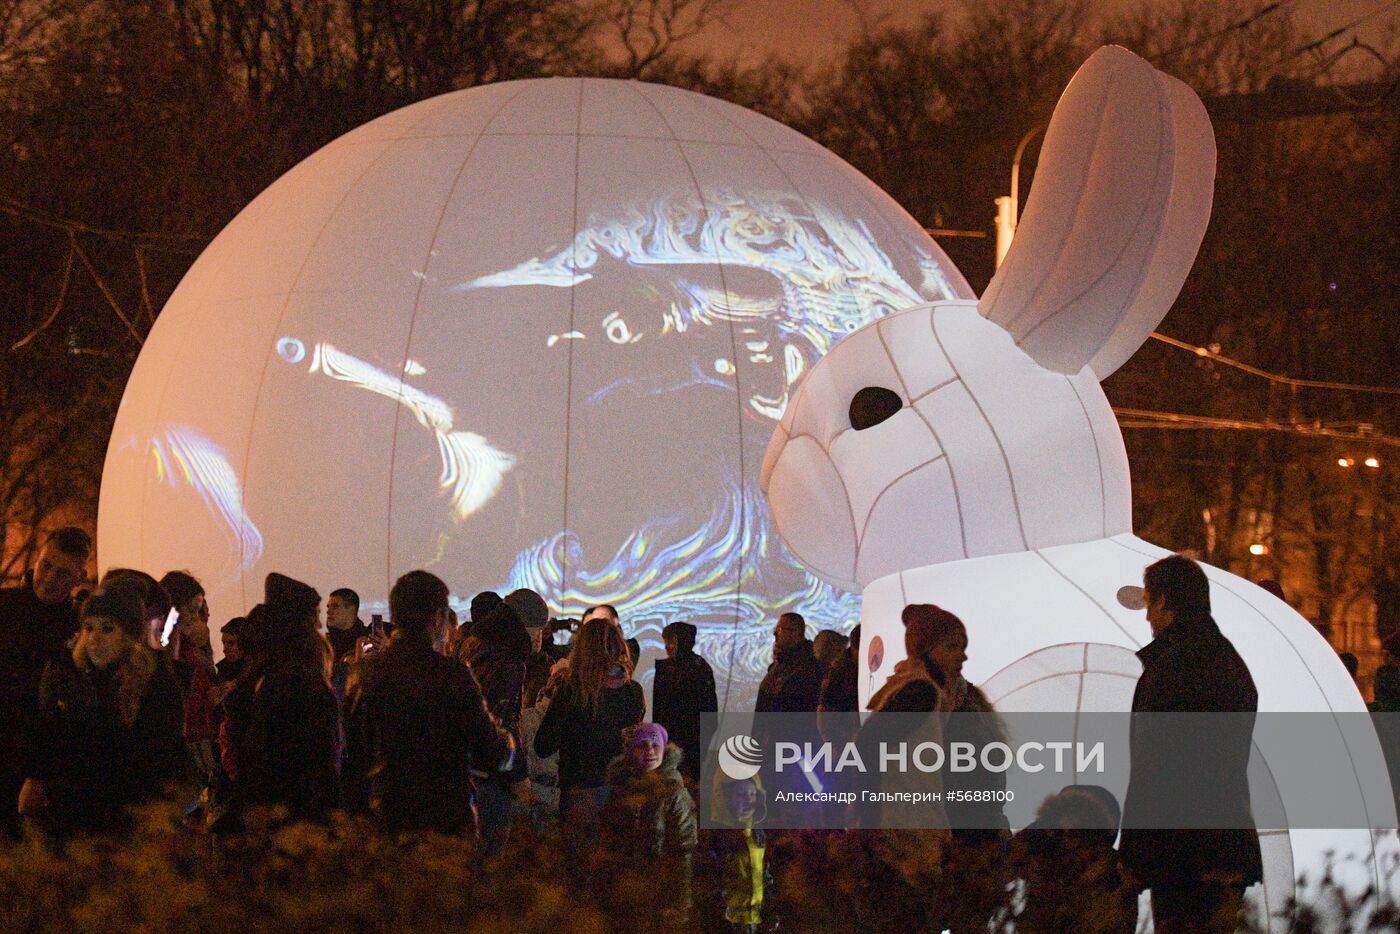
(1071, 873)
(683, 688)
(1351, 663)
(231, 665)
(283, 714)
(828, 645)
(974, 809)
(417, 723)
(793, 683)
(498, 653)
(37, 619)
(910, 863)
(108, 728)
(1197, 876)
(841, 686)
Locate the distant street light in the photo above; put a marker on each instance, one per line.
(1258, 548)
(1009, 207)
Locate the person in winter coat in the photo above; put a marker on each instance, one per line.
(108, 733)
(498, 651)
(1197, 876)
(975, 812)
(907, 864)
(417, 723)
(283, 716)
(584, 724)
(37, 619)
(683, 688)
(193, 658)
(738, 852)
(794, 680)
(649, 822)
(841, 688)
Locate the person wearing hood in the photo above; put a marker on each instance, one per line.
(497, 651)
(596, 702)
(738, 851)
(649, 822)
(108, 734)
(793, 683)
(683, 688)
(284, 714)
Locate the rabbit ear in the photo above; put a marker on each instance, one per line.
(1120, 203)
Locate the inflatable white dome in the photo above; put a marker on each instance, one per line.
(529, 334)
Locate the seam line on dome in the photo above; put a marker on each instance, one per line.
(1088, 596)
(569, 378)
(408, 338)
(282, 313)
(738, 394)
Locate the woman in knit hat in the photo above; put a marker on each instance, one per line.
(649, 825)
(906, 865)
(109, 723)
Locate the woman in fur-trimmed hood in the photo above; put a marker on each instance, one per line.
(650, 818)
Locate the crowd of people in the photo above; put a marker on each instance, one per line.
(488, 727)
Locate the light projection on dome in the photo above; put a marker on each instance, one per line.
(527, 334)
(471, 468)
(999, 489)
(830, 274)
(182, 458)
(659, 575)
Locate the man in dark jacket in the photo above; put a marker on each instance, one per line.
(37, 618)
(794, 680)
(417, 723)
(344, 630)
(684, 688)
(1197, 876)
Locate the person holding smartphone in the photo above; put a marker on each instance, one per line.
(344, 629)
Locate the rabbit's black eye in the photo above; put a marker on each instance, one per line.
(873, 405)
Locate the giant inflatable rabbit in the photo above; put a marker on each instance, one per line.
(982, 468)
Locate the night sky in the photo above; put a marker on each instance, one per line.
(804, 30)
